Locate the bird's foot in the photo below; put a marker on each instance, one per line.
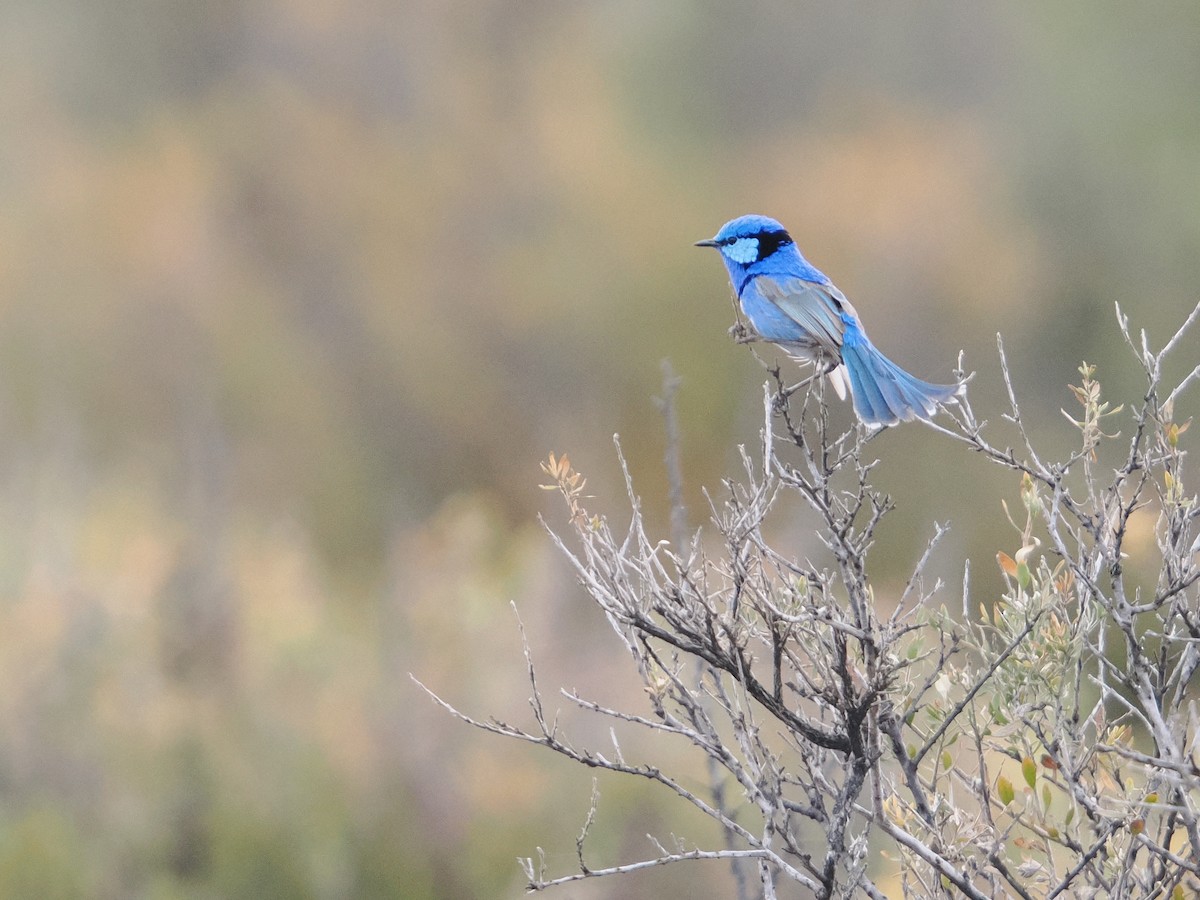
(741, 334)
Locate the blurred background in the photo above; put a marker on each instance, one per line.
(295, 295)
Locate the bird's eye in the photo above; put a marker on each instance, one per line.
(729, 241)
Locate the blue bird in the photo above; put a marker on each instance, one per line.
(790, 302)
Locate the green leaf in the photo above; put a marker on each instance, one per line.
(1029, 771)
(1024, 576)
(997, 716)
(1004, 788)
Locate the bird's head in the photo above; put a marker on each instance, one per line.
(748, 240)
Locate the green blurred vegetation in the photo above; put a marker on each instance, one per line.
(295, 294)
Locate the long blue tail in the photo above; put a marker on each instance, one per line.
(885, 394)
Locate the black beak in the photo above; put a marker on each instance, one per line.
(709, 243)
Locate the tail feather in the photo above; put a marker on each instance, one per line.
(885, 394)
(841, 384)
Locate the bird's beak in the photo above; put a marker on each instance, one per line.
(709, 243)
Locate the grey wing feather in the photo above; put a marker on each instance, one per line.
(817, 308)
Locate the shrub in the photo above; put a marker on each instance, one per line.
(1040, 743)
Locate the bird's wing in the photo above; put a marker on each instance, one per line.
(817, 308)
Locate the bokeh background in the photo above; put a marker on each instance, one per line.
(295, 294)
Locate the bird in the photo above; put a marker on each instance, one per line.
(793, 304)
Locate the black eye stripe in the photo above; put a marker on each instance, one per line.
(770, 241)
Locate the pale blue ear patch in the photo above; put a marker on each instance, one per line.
(743, 250)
